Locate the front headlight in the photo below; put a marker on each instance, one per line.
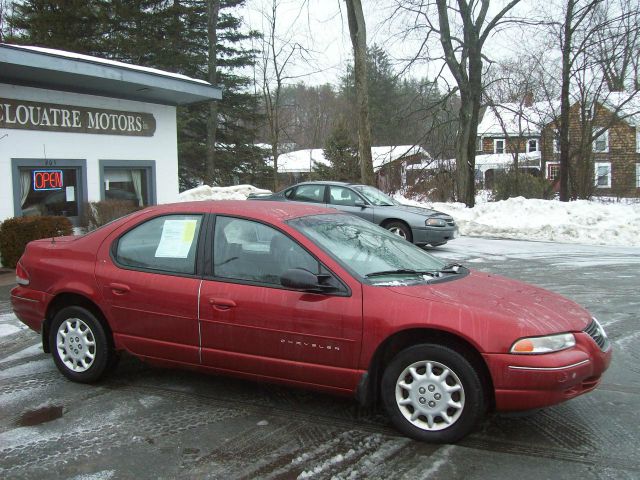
(435, 222)
(551, 343)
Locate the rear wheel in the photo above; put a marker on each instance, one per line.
(432, 393)
(79, 345)
(400, 229)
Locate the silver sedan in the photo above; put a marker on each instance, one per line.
(421, 226)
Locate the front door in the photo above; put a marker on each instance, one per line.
(249, 323)
(345, 199)
(150, 285)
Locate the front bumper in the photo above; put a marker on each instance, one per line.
(30, 306)
(433, 235)
(524, 382)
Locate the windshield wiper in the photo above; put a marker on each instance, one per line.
(452, 268)
(401, 271)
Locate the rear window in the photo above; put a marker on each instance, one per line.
(166, 244)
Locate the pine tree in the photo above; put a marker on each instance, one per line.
(341, 151)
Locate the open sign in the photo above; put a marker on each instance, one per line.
(47, 180)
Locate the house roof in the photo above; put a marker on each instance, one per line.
(515, 119)
(67, 71)
(626, 105)
(302, 161)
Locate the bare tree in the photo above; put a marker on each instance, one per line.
(358, 33)
(618, 42)
(213, 13)
(279, 53)
(462, 30)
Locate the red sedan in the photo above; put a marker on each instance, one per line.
(308, 297)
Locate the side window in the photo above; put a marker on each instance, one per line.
(309, 193)
(289, 193)
(166, 244)
(247, 250)
(342, 196)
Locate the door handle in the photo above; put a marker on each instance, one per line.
(222, 303)
(119, 288)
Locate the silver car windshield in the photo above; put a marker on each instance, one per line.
(375, 196)
(367, 249)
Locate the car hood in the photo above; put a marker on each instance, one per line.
(532, 309)
(427, 212)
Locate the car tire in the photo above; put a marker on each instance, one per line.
(401, 229)
(432, 393)
(79, 344)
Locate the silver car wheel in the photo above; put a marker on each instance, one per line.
(430, 395)
(398, 231)
(76, 345)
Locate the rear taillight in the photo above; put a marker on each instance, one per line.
(22, 277)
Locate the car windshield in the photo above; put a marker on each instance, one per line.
(368, 250)
(375, 196)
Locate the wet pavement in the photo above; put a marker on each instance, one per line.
(145, 422)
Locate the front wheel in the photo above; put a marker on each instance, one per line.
(432, 393)
(400, 229)
(79, 345)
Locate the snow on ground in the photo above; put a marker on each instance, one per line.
(205, 192)
(582, 221)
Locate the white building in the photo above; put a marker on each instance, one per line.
(75, 128)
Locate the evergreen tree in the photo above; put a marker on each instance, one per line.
(341, 151)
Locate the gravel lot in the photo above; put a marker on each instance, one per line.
(145, 422)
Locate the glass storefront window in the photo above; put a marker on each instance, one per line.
(49, 191)
(128, 184)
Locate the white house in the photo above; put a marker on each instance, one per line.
(75, 128)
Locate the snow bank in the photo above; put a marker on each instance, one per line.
(205, 192)
(582, 221)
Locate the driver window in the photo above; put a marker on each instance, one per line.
(342, 196)
(252, 251)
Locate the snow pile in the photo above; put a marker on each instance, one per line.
(205, 192)
(581, 221)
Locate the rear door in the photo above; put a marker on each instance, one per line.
(149, 281)
(345, 199)
(251, 324)
(312, 192)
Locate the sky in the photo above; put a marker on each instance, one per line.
(321, 26)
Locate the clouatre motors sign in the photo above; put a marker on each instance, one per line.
(68, 118)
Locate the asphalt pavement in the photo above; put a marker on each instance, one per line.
(144, 422)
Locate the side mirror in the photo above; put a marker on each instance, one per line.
(300, 279)
(360, 203)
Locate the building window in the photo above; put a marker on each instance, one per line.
(479, 144)
(498, 145)
(553, 170)
(603, 174)
(533, 145)
(128, 181)
(556, 140)
(128, 184)
(638, 139)
(601, 142)
(637, 175)
(49, 191)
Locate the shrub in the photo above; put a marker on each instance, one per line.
(97, 214)
(16, 232)
(508, 185)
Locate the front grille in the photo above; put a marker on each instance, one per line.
(595, 331)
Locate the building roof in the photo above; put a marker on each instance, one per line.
(303, 161)
(515, 120)
(59, 70)
(626, 106)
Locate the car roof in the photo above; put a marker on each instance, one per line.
(321, 182)
(262, 210)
